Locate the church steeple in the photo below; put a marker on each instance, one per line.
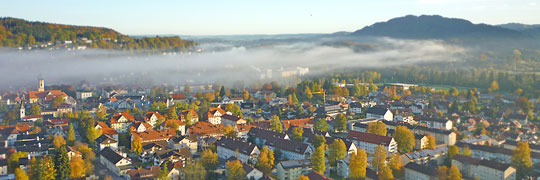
(22, 112)
(41, 85)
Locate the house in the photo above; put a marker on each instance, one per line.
(290, 149)
(189, 114)
(314, 175)
(379, 113)
(179, 142)
(243, 130)
(494, 153)
(205, 129)
(214, 115)
(104, 141)
(421, 141)
(230, 120)
(152, 118)
(114, 161)
(405, 117)
(292, 169)
(369, 141)
(483, 169)
(426, 156)
(343, 170)
(154, 135)
(437, 123)
(171, 155)
(151, 148)
(259, 136)
(179, 98)
(243, 151)
(83, 95)
(121, 122)
(45, 96)
(251, 172)
(355, 107)
(140, 126)
(4, 167)
(415, 171)
(144, 174)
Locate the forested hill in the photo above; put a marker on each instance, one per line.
(21, 33)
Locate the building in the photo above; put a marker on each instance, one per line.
(379, 113)
(290, 149)
(121, 122)
(483, 169)
(214, 115)
(230, 120)
(242, 150)
(189, 114)
(438, 123)
(154, 135)
(415, 171)
(83, 95)
(104, 141)
(369, 141)
(292, 169)
(152, 118)
(114, 161)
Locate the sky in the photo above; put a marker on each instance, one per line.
(228, 17)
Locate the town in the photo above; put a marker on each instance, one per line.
(321, 128)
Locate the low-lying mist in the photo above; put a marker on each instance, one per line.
(231, 63)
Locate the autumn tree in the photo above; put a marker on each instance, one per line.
(396, 165)
(308, 93)
(318, 159)
(77, 167)
(297, 133)
(49, 171)
(209, 159)
(20, 174)
(57, 101)
(275, 124)
(379, 157)
(71, 135)
(194, 170)
(431, 142)
(521, 159)
(319, 140)
(36, 110)
(13, 161)
(386, 173)
(493, 87)
(136, 145)
(235, 170)
(453, 173)
(320, 124)
(466, 151)
(337, 151)
(378, 128)
(358, 165)
(302, 177)
(442, 173)
(452, 151)
(404, 138)
(454, 92)
(340, 123)
(171, 113)
(245, 94)
(265, 162)
(58, 141)
(101, 112)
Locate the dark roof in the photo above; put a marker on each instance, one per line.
(421, 169)
(369, 138)
(483, 162)
(288, 145)
(377, 110)
(105, 139)
(230, 117)
(111, 155)
(372, 174)
(265, 133)
(494, 149)
(236, 144)
(514, 143)
(314, 175)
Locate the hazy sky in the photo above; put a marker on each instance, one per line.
(211, 17)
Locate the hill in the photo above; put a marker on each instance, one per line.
(519, 26)
(21, 33)
(433, 27)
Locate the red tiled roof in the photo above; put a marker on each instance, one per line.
(47, 95)
(206, 128)
(149, 115)
(369, 138)
(155, 135)
(108, 131)
(178, 96)
(306, 122)
(117, 116)
(212, 111)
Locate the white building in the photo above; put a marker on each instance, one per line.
(379, 113)
(369, 141)
(243, 151)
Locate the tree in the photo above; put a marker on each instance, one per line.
(136, 145)
(77, 167)
(338, 150)
(71, 135)
(379, 158)
(302, 177)
(454, 92)
(189, 118)
(319, 140)
(245, 94)
(297, 133)
(340, 124)
(171, 113)
(378, 128)
(36, 110)
(404, 138)
(432, 143)
(61, 163)
(308, 93)
(91, 135)
(358, 164)
(494, 86)
(222, 92)
(275, 124)
(320, 124)
(13, 161)
(265, 161)
(57, 101)
(230, 131)
(101, 112)
(209, 159)
(31, 39)
(442, 172)
(294, 99)
(396, 165)
(235, 170)
(194, 170)
(49, 171)
(452, 151)
(58, 141)
(466, 151)
(386, 173)
(163, 173)
(521, 159)
(317, 160)
(20, 174)
(454, 173)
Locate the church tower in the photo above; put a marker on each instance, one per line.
(22, 112)
(41, 85)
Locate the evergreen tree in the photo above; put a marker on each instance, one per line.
(48, 169)
(61, 163)
(222, 92)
